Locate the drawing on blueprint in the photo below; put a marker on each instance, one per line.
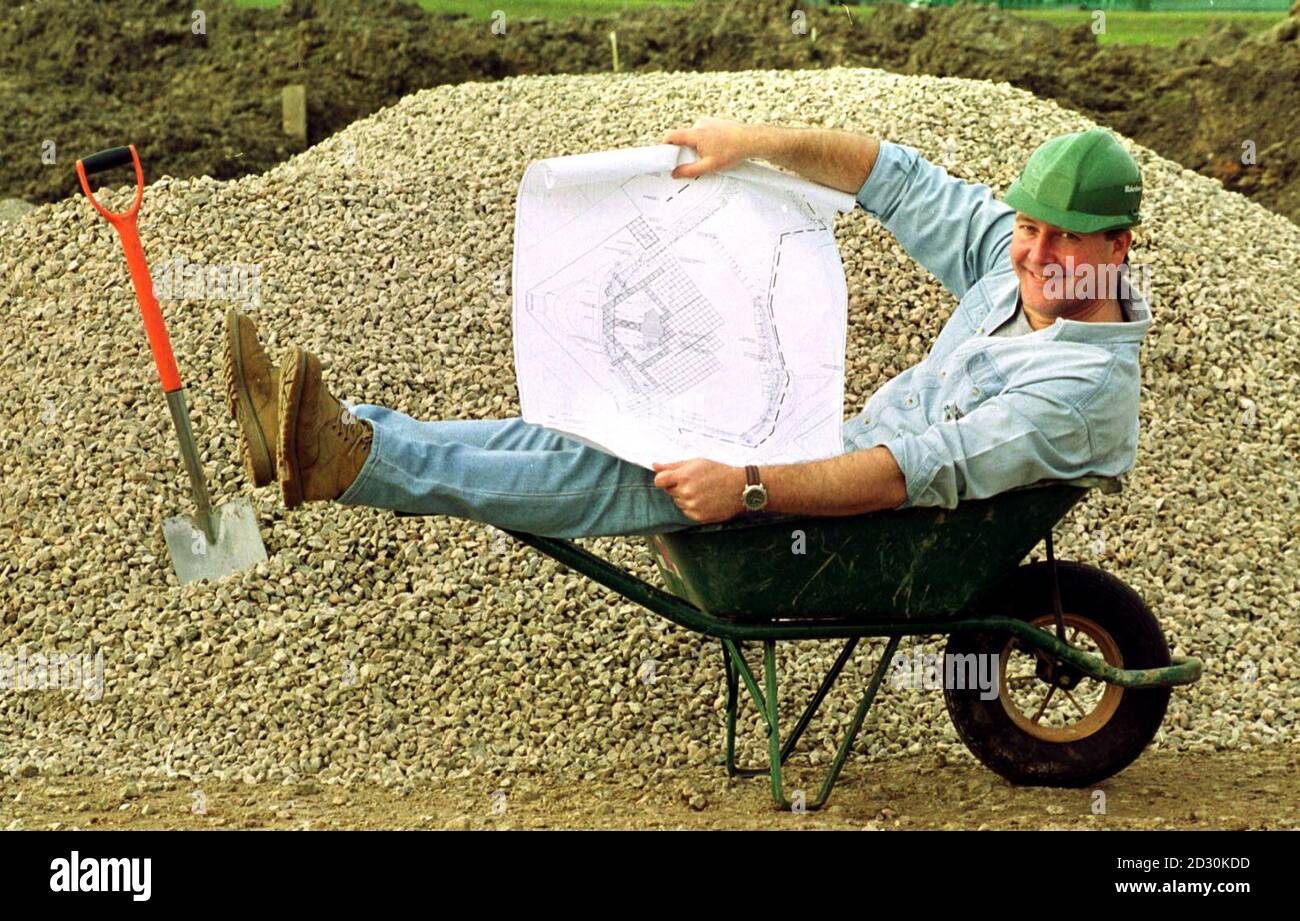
(662, 319)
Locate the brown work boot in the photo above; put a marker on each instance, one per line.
(322, 447)
(253, 394)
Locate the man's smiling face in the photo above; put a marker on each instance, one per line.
(1042, 253)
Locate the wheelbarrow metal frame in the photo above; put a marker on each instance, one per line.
(733, 633)
(1182, 670)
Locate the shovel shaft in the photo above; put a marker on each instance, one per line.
(154, 327)
(190, 454)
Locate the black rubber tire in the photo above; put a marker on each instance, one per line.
(1005, 748)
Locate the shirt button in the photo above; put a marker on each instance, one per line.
(943, 373)
(975, 391)
(980, 330)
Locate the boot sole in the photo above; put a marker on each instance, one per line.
(292, 375)
(256, 453)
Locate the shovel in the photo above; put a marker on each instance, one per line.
(213, 542)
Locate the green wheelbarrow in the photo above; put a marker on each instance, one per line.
(1083, 672)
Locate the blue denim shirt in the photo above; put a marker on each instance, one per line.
(982, 414)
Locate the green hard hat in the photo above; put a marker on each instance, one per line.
(1084, 182)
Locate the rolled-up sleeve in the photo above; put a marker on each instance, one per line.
(1013, 439)
(956, 229)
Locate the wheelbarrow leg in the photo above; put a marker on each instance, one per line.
(769, 707)
(732, 686)
(773, 724)
(732, 653)
(858, 717)
(769, 665)
(809, 712)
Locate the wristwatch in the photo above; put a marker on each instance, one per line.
(754, 497)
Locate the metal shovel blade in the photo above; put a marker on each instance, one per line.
(196, 556)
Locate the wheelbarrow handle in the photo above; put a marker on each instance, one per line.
(125, 224)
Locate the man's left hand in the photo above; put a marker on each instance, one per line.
(705, 490)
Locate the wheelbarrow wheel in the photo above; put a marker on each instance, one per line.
(1036, 732)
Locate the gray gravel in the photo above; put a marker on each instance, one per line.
(402, 651)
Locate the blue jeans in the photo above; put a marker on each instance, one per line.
(513, 474)
(508, 473)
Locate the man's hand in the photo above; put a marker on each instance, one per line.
(719, 142)
(705, 490)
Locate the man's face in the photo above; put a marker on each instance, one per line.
(1056, 254)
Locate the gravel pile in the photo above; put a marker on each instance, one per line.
(400, 651)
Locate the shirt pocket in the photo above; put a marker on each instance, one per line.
(968, 385)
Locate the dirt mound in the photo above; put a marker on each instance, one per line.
(982, 43)
(1220, 40)
(1232, 116)
(208, 103)
(201, 102)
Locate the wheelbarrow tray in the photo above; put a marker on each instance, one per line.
(904, 564)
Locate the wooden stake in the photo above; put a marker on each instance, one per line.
(294, 104)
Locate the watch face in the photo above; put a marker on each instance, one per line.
(754, 497)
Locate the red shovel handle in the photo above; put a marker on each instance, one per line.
(124, 222)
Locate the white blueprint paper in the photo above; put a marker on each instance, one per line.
(663, 319)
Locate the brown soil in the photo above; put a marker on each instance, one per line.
(1162, 790)
(210, 103)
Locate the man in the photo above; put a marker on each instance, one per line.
(1033, 376)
